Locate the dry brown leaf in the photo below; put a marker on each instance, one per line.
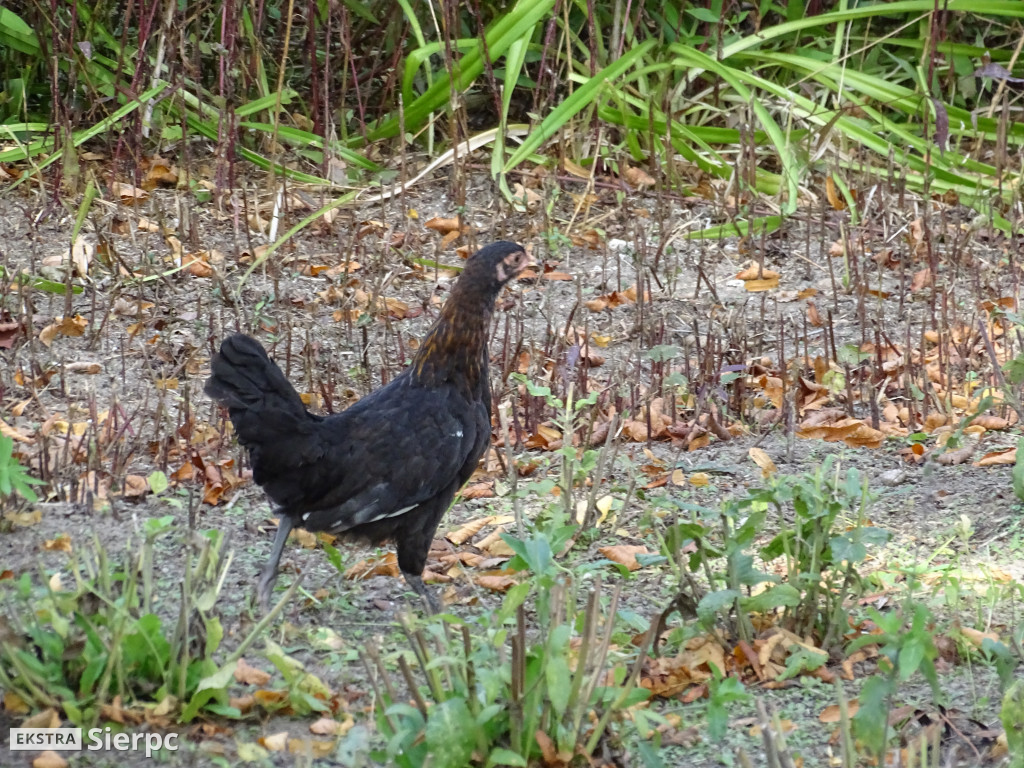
(60, 544)
(327, 726)
(128, 193)
(276, 742)
(270, 699)
(444, 226)
(637, 177)
(82, 252)
(9, 332)
(917, 231)
(197, 264)
(832, 194)
(959, 456)
(8, 431)
(135, 486)
(575, 169)
(546, 437)
(785, 726)
(886, 258)
(24, 519)
(669, 676)
(146, 225)
(553, 758)
(380, 566)
(658, 482)
(996, 458)
(250, 675)
(49, 759)
(624, 554)
(977, 638)
(590, 238)
(47, 718)
(615, 299)
(1004, 302)
(555, 275)
(243, 704)
(345, 267)
(161, 173)
(637, 431)
(455, 559)
(494, 545)
(469, 530)
(865, 437)
(397, 308)
(524, 199)
(763, 460)
(831, 433)
(12, 702)
(813, 317)
(63, 326)
(129, 308)
(991, 422)
(316, 748)
(83, 367)
(831, 713)
(757, 286)
(922, 279)
(116, 711)
(756, 272)
(499, 581)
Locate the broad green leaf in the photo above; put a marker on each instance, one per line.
(1018, 471)
(501, 757)
(449, 733)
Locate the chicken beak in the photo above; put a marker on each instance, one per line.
(528, 263)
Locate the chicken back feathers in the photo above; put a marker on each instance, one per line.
(388, 467)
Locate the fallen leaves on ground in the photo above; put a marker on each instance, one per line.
(624, 554)
(63, 326)
(615, 299)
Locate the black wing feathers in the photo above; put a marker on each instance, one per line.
(403, 445)
(398, 447)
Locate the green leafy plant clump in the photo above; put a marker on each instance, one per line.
(495, 692)
(112, 634)
(823, 537)
(14, 478)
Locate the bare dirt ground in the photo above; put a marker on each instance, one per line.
(129, 369)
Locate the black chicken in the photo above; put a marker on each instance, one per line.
(388, 467)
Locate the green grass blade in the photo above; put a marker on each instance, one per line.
(583, 96)
(518, 23)
(16, 34)
(300, 138)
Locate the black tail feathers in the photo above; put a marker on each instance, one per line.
(249, 383)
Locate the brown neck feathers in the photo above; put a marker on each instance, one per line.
(455, 348)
